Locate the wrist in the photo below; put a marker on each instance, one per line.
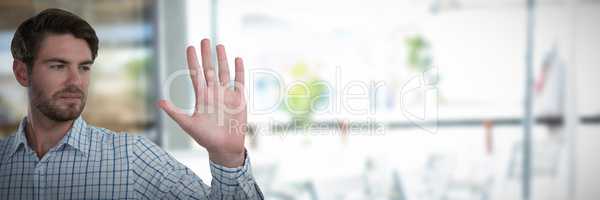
(230, 160)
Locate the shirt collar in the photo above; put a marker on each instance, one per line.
(19, 137)
(76, 137)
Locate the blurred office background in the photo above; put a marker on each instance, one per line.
(423, 99)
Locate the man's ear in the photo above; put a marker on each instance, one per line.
(20, 72)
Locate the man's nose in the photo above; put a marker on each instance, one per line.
(74, 76)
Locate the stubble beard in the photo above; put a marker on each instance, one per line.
(53, 108)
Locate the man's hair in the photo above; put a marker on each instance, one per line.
(32, 32)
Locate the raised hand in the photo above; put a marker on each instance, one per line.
(219, 119)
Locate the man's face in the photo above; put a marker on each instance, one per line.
(60, 76)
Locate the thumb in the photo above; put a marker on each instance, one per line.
(175, 113)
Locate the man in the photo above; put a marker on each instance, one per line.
(55, 154)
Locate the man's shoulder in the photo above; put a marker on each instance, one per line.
(4, 142)
(9, 139)
(105, 135)
(114, 139)
(106, 140)
(6, 139)
(5, 147)
(137, 146)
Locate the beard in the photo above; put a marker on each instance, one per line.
(54, 107)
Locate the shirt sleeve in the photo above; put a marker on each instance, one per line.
(159, 176)
(238, 182)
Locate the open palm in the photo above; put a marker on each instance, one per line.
(219, 119)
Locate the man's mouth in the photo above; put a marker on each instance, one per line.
(71, 97)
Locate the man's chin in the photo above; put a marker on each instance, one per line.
(63, 114)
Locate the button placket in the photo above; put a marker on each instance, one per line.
(40, 171)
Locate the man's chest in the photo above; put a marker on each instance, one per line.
(63, 176)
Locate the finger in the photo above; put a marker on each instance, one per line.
(223, 66)
(206, 63)
(239, 73)
(194, 67)
(175, 113)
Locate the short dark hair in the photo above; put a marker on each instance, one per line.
(30, 34)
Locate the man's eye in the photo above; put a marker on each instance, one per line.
(57, 66)
(84, 68)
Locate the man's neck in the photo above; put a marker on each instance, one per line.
(43, 133)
